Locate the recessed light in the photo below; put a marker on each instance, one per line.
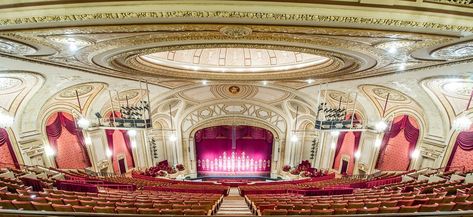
(204, 82)
(310, 81)
(264, 83)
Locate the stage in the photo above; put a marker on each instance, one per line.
(234, 181)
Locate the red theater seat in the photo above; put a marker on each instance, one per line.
(77, 208)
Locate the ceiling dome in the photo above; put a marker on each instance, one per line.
(241, 60)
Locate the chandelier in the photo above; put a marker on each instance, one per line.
(6, 120)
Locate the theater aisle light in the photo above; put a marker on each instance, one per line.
(49, 151)
(6, 120)
(462, 122)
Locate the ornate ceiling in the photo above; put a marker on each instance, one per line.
(260, 59)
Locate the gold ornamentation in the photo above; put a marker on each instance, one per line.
(233, 15)
(393, 95)
(234, 89)
(82, 90)
(235, 31)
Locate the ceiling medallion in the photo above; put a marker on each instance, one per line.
(458, 88)
(9, 83)
(234, 89)
(393, 95)
(11, 47)
(235, 31)
(82, 90)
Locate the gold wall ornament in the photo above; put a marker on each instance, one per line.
(261, 16)
(235, 31)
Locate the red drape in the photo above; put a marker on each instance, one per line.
(54, 130)
(464, 142)
(5, 140)
(109, 133)
(341, 139)
(411, 133)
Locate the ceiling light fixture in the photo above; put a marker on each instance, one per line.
(132, 133)
(381, 125)
(88, 140)
(310, 81)
(462, 122)
(357, 154)
(83, 123)
(264, 83)
(415, 154)
(49, 151)
(204, 82)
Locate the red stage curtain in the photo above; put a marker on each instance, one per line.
(347, 146)
(402, 136)
(54, 130)
(119, 143)
(214, 142)
(7, 154)
(462, 155)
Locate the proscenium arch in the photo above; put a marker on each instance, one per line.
(189, 148)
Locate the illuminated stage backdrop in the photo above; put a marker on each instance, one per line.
(234, 151)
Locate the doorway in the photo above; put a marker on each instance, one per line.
(122, 166)
(344, 168)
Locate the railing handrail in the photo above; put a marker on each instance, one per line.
(87, 214)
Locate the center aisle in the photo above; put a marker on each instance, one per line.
(234, 204)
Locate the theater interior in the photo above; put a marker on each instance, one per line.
(236, 108)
